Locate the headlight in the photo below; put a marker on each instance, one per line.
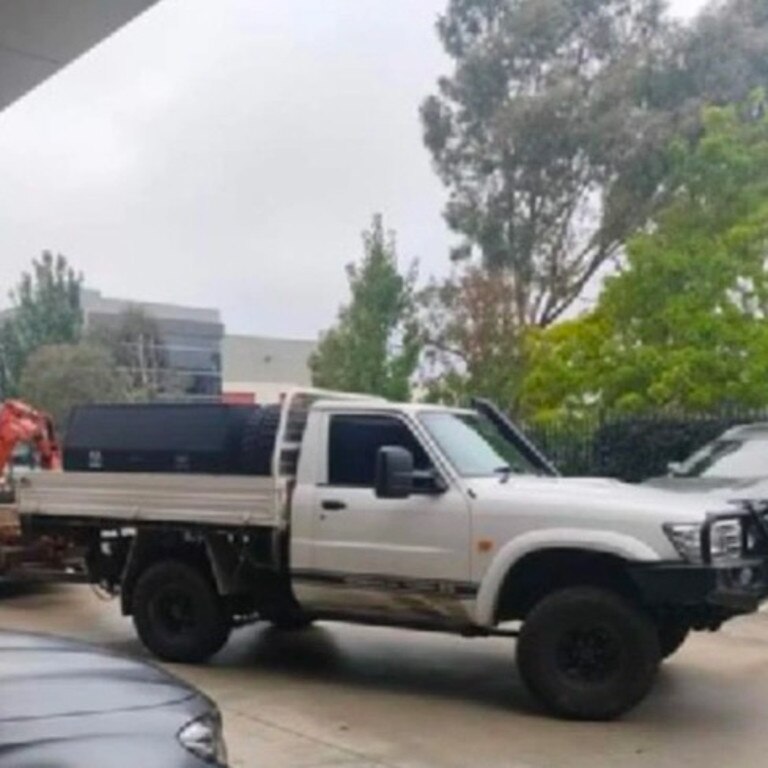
(726, 540)
(204, 738)
(686, 539)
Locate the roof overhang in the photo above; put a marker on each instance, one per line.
(39, 37)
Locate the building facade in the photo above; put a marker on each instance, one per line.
(191, 338)
(199, 358)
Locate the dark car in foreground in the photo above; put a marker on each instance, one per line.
(733, 466)
(64, 704)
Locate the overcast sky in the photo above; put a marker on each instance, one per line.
(229, 153)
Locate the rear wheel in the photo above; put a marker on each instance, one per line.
(588, 654)
(177, 613)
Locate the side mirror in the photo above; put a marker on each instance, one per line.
(394, 473)
(429, 483)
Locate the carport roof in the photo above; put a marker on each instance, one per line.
(39, 37)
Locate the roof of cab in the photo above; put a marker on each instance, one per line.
(380, 404)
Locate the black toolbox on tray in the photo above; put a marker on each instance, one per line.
(204, 438)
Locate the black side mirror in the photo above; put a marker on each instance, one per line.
(428, 482)
(394, 473)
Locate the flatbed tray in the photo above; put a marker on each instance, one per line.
(221, 500)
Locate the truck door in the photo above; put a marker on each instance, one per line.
(392, 559)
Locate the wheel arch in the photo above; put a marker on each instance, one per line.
(152, 546)
(550, 558)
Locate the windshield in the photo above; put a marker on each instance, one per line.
(474, 446)
(728, 459)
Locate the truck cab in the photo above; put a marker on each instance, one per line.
(381, 522)
(415, 513)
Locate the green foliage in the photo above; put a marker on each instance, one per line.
(542, 135)
(46, 310)
(472, 337)
(60, 376)
(683, 326)
(724, 56)
(374, 346)
(566, 370)
(551, 133)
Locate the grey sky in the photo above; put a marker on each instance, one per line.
(229, 153)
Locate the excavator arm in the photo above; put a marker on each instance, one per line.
(20, 423)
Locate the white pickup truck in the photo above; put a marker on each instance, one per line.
(421, 517)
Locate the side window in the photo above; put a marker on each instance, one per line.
(354, 442)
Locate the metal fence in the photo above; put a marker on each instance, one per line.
(632, 448)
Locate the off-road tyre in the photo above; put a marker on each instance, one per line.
(177, 613)
(588, 654)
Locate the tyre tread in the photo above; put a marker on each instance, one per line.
(567, 700)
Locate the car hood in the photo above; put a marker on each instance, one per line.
(720, 487)
(43, 677)
(611, 499)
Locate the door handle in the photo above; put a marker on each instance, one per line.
(333, 505)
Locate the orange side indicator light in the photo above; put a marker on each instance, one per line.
(484, 545)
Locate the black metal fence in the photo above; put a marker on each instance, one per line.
(632, 448)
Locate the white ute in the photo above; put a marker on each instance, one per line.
(422, 517)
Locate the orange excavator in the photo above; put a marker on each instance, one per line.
(19, 424)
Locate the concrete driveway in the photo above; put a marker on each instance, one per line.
(360, 697)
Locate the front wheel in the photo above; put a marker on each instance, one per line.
(588, 654)
(177, 613)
